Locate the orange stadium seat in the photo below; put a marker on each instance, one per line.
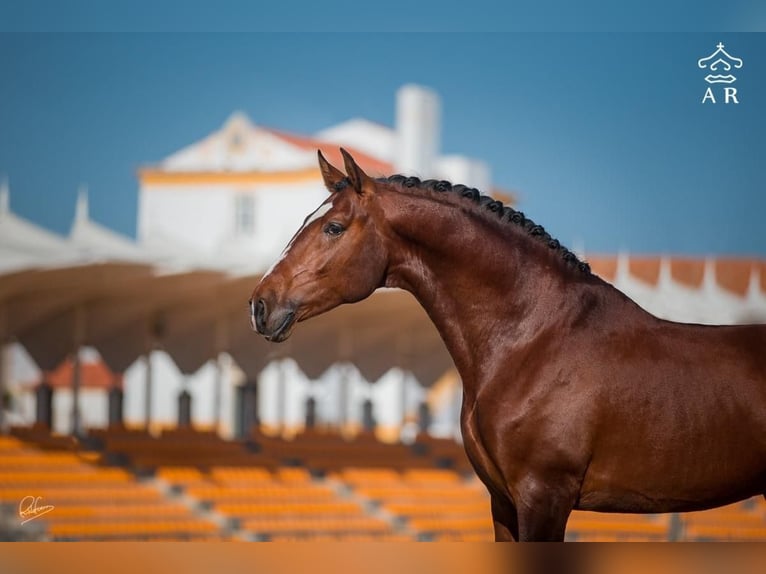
(293, 475)
(594, 525)
(359, 490)
(92, 502)
(369, 476)
(241, 475)
(431, 509)
(107, 530)
(291, 509)
(431, 476)
(181, 475)
(725, 532)
(742, 521)
(352, 525)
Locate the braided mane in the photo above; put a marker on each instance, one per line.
(493, 208)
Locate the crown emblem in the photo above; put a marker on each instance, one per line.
(720, 60)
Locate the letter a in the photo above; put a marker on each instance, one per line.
(730, 92)
(708, 95)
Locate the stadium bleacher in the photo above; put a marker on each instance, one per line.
(191, 485)
(87, 500)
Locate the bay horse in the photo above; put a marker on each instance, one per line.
(574, 396)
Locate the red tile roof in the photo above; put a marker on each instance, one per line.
(689, 272)
(93, 376)
(731, 274)
(734, 274)
(604, 267)
(371, 165)
(647, 269)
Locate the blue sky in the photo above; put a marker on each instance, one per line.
(602, 135)
(391, 16)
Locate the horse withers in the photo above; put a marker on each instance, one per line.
(574, 397)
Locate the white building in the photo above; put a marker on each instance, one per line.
(237, 196)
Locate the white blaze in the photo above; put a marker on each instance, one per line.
(324, 208)
(318, 214)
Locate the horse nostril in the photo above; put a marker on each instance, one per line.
(260, 315)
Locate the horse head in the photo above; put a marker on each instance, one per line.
(337, 256)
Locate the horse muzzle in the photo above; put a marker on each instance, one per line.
(274, 323)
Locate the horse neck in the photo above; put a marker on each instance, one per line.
(486, 285)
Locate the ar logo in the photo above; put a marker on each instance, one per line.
(720, 61)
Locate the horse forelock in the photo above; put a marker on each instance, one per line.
(493, 209)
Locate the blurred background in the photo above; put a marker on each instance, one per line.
(147, 181)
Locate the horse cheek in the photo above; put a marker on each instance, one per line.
(366, 273)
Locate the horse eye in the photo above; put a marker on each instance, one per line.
(334, 229)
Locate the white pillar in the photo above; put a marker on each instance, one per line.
(148, 383)
(345, 351)
(404, 396)
(3, 383)
(4, 354)
(79, 336)
(76, 384)
(281, 397)
(218, 392)
(344, 392)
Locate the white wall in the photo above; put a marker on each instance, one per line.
(180, 213)
(385, 394)
(280, 213)
(93, 409)
(167, 383)
(204, 218)
(466, 171)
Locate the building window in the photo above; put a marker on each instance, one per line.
(244, 213)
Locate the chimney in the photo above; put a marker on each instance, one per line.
(5, 197)
(418, 113)
(81, 214)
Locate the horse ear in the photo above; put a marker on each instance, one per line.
(330, 174)
(360, 181)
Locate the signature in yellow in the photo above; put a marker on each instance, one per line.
(30, 508)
